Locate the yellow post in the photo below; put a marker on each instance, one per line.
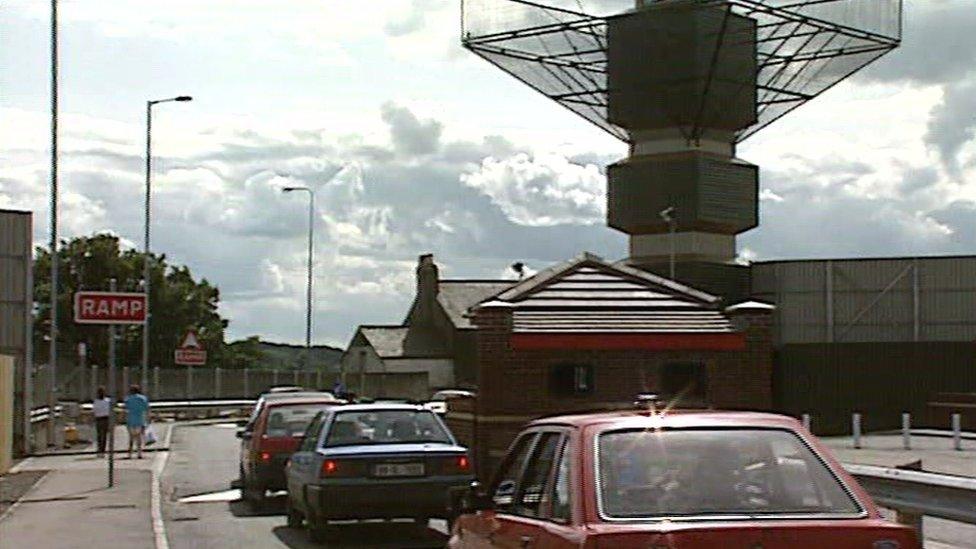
(6, 413)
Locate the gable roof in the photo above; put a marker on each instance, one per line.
(457, 296)
(588, 295)
(403, 342)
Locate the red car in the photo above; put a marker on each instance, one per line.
(651, 480)
(274, 435)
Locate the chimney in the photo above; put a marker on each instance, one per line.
(427, 288)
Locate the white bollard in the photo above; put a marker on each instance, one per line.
(906, 430)
(856, 429)
(957, 431)
(806, 421)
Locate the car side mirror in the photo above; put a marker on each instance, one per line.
(244, 435)
(476, 498)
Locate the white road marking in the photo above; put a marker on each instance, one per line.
(159, 463)
(226, 495)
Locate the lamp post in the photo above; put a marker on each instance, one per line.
(308, 289)
(145, 261)
(52, 398)
(667, 215)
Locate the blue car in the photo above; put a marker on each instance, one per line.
(373, 461)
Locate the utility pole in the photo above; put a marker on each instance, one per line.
(52, 399)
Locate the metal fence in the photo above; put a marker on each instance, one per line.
(183, 383)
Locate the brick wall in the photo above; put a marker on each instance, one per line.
(515, 386)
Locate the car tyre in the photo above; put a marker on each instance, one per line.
(293, 515)
(254, 497)
(320, 532)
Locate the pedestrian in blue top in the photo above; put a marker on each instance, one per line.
(136, 418)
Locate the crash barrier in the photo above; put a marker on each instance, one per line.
(913, 493)
(955, 431)
(73, 423)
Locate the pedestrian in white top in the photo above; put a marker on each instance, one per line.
(101, 408)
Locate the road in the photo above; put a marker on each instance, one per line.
(203, 462)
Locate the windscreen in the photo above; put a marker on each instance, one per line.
(290, 420)
(715, 472)
(385, 427)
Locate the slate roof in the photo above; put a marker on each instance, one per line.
(588, 295)
(457, 296)
(403, 342)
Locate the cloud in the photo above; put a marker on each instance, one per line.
(546, 189)
(410, 135)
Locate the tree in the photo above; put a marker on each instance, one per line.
(178, 303)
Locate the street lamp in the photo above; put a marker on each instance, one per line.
(145, 262)
(308, 290)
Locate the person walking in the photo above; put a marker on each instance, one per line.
(101, 408)
(136, 418)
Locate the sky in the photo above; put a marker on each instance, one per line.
(414, 145)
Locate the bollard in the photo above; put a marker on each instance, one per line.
(217, 382)
(247, 385)
(906, 430)
(856, 429)
(806, 421)
(957, 431)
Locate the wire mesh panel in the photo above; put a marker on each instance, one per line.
(803, 47)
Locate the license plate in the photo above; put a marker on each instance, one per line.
(398, 470)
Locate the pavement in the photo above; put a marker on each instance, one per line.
(73, 490)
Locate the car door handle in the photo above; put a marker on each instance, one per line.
(526, 541)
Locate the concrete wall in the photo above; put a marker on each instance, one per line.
(415, 378)
(16, 302)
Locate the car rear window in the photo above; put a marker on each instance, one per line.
(286, 420)
(385, 427)
(676, 473)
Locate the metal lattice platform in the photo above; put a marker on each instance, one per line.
(803, 47)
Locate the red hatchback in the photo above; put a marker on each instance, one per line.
(672, 480)
(276, 434)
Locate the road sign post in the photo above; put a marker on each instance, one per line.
(110, 308)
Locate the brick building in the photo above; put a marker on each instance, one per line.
(582, 334)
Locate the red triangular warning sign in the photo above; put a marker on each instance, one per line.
(190, 341)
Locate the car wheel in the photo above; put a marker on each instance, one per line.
(320, 532)
(294, 516)
(254, 496)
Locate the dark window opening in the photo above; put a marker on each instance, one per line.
(684, 382)
(572, 379)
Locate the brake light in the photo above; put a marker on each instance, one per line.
(330, 467)
(455, 465)
(265, 456)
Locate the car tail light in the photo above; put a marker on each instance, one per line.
(330, 467)
(455, 465)
(265, 457)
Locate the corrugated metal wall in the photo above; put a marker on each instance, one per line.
(880, 380)
(870, 300)
(15, 305)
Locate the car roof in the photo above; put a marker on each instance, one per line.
(268, 397)
(279, 402)
(378, 406)
(672, 419)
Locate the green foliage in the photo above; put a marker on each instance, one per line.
(177, 302)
